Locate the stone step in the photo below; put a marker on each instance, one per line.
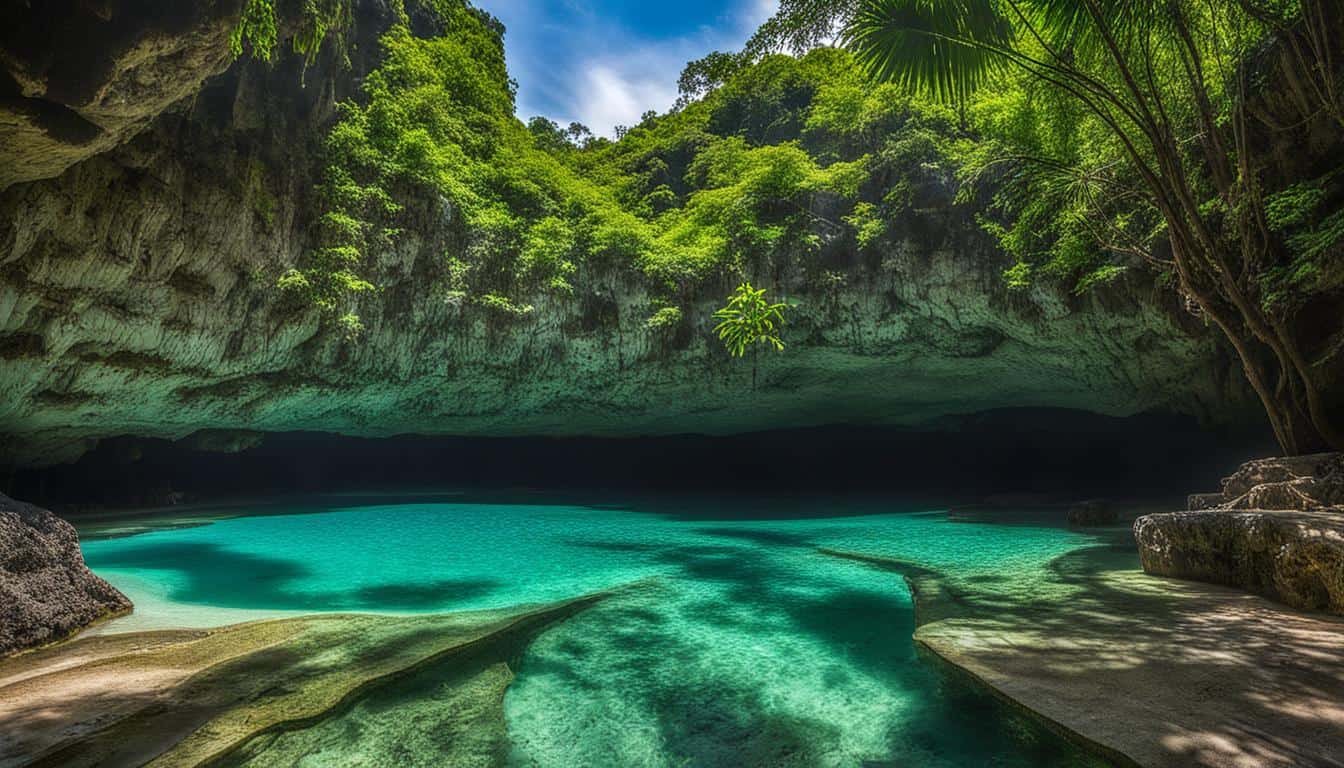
(1204, 501)
(1293, 556)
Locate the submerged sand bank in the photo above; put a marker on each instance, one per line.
(192, 697)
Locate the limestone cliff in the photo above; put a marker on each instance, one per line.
(80, 78)
(137, 274)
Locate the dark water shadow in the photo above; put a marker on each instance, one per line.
(222, 577)
(707, 723)
(759, 536)
(415, 596)
(215, 575)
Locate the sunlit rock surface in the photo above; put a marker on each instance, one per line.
(1276, 529)
(204, 695)
(1147, 671)
(46, 592)
(137, 297)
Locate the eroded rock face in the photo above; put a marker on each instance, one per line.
(78, 78)
(1276, 529)
(46, 591)
(137, 297)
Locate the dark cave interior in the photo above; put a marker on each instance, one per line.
(1047, 453)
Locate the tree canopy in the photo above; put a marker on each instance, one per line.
(1180, 169)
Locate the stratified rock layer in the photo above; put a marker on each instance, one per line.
(137, 290)
(46, 591)
(1276, 529)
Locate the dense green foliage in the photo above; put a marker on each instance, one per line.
(794, 167)
(1116, 136)
(1162, 143)
(435, 123)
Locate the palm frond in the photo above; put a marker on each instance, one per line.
(1069, 26)
(947, 48)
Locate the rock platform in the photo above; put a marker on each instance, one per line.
(1275, 529)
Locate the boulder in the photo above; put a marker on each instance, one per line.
(1276, 529)
(46, 591)
(1093, 512)
(1293, 557)
(1291, 482)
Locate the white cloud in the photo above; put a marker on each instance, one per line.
(617, 93)
(606, 75)
(759, 10)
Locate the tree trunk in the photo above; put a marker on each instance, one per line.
(1299, 424)
(1297, 431)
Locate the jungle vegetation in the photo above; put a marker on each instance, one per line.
(1162, 135)
(1197, 142)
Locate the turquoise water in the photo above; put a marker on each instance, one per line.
(743, 645)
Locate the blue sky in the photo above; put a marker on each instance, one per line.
(605, 62)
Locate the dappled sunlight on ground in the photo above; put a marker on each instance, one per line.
(1170, 673)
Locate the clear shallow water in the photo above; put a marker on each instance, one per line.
(749, 648)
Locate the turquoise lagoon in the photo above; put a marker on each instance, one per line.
(741, 645)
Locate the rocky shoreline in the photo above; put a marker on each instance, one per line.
(1275, 529)
(216, 696)
(1140, 670)
(47, 594)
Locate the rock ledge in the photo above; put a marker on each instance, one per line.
(1276, 529)
(46, 591)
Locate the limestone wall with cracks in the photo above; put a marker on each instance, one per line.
(137, 297)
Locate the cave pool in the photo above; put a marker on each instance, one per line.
(740, 645)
